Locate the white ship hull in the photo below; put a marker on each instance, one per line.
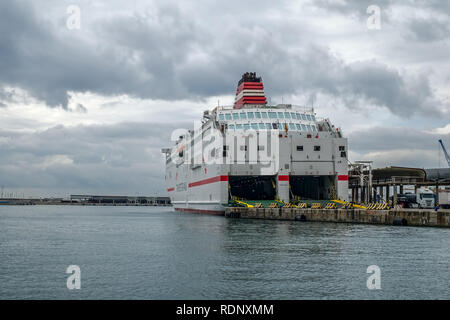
(256, 152)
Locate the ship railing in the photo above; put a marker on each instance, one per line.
(275, 106)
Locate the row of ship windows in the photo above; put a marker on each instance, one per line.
(273, 126)
(266, 115)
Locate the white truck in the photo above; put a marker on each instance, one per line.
(444, 199)
(425, 198)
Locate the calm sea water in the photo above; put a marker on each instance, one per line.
(156, 253)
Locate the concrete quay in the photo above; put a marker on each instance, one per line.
(402, 217)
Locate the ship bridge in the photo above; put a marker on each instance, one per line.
(268, 118)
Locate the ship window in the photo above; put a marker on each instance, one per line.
(260, 148)
(231, 126)
(221, 117)
(243, 115)
(262, 126)
(316, 148)
(299, 148)
(313, 118)
(280, 115)
(308, 117)
(239, 126)
(264, 115)
(309, 127)
(299, 117)
(341, 148)
(303, 117)
(272, 115)
(257, 115)
(303, 127)
(299, 127)
(227, 116)
(343, 154)
(246, 126)
(235, 116)
(287, 115)
(274, 125)
(250, 115)
(255, 126)
(268, 126)
(313, 127)
(291, 126)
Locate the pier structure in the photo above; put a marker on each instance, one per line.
(369, 185)
(403, 217)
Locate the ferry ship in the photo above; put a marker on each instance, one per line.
(256, 151)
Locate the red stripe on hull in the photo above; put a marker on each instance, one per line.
(343, 177)
(202, 211)
(171, 189)
(283, 178)
(208, 181)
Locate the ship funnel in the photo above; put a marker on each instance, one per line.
(250, 90)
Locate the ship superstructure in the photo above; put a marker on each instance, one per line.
(256, 151)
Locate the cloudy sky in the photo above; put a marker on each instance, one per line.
(86, 104)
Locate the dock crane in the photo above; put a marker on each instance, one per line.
(447, 157)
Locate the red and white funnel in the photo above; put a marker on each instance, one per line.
(250, 91)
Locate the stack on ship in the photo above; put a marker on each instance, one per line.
(309, 161)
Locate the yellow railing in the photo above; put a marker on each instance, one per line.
(349, 205)
(236, 199)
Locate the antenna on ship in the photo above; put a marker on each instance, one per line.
(312, 98)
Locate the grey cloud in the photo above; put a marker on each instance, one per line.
(80, 108)
(382, 138)
(425, 30)
(418, 29)
(168, 54)
(6, 96)
(398, 147)
(121, 158)
(358, 7)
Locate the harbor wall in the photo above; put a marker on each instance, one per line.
(404, 217)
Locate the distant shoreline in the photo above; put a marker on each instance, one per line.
(32, 203)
